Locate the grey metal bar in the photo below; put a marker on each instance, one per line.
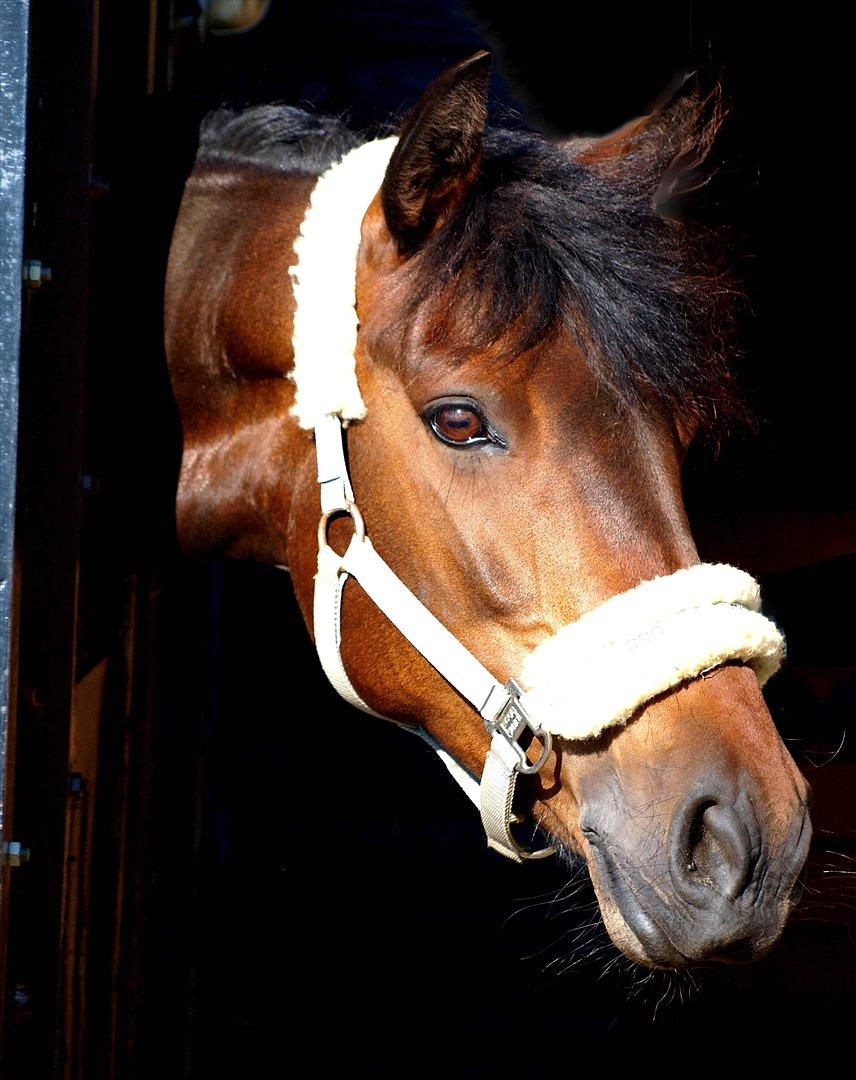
(14, 20)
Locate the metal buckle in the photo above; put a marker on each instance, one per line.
(510, 722)
(350, 508)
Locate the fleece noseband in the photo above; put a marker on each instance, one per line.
(592, 674)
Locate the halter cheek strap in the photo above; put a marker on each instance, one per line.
(589, 676)
(499, 706)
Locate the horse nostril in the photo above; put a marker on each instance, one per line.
(711, 851)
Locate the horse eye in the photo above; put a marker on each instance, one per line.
(458, 424)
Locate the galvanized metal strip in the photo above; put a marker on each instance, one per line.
(14, 25)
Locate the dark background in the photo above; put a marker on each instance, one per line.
(225, 876)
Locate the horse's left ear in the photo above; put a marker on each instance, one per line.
(438, 152)
(671, 147)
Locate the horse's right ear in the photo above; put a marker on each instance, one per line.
(438, 152)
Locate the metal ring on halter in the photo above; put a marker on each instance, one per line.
(546, 739)
(351, 509)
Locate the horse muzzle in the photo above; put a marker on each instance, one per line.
(707, 886)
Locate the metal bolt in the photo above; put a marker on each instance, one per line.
(35, 273)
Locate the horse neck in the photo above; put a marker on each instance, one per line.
(228, 320)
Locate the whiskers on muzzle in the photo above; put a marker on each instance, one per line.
(583, 945)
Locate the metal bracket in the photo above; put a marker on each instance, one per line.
(511, 721)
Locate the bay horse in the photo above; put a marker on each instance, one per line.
(535, 334)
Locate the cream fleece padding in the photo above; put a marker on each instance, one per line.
(324, 282)
(596, 672)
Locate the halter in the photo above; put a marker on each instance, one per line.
(592, 674)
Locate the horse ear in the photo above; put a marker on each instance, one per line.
(671, 146)
(690, 184)
(438, 152)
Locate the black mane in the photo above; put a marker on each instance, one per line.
(276, 137)
(546, 238)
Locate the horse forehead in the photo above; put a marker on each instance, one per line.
(425, 329)
(551, 389)
(553, 374)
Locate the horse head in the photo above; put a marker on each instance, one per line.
(542, 333)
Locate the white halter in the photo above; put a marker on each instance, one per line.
(594, 673)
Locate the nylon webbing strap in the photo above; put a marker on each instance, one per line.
(329, 587)
(327, 619)
(333, 478)
(422, 629)
(496, 803)
(495, 795)
(464, 672)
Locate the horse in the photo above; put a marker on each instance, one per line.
(537, 331)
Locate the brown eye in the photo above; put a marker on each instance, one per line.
(461, 423)
(458, 424)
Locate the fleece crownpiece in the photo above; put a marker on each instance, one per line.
(324, 283)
